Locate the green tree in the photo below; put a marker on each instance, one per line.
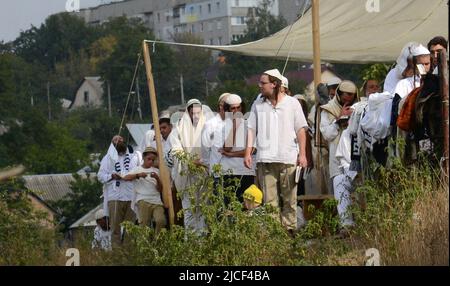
(84, 197)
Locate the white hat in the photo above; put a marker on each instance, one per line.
(223, 96)
(233, 99)
(275, 73)
(99, 214)
(347, 86)
(334, 81)
(285, 82)
(419, 50)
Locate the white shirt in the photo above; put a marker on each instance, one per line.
(405, 86)
(145, 188)
(330, 131)
(276, 129)
(117, 190)
(102, 239)
(236, 164)
(213, 138)
(167, 146)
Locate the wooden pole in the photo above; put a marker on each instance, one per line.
(109, 100)
(317, 81)
(164, 172)
(443, 74)
(316, 44)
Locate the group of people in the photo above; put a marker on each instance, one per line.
(263, 151)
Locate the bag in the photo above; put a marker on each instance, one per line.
(407, 118)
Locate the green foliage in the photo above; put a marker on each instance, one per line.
(24, 240)
(84, 197)
(376, 71)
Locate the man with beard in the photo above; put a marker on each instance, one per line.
(118, 193)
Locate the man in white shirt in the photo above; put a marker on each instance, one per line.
(213, 136)
(102, 233)
(233, 150)
(117, 193)
(147, 191)
(278, 125)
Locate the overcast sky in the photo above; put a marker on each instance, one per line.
(19, 15)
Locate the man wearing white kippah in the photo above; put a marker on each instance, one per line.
(278, 125)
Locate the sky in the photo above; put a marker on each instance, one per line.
(19, 15)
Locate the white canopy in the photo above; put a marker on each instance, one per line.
(351, 34)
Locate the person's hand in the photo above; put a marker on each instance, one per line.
(154, 175)
(248, 161)
(141, 175)
(116, 176)
(302, 161)
(224, 152)
(346, 110)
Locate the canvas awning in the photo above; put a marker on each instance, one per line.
(351, 34)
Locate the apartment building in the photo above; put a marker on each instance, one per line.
(217, 22)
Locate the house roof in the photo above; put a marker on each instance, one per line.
(88, 219)
(93, 81)
(51, 187)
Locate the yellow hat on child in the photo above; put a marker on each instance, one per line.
(254, 194)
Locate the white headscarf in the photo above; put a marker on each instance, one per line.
(190, 135)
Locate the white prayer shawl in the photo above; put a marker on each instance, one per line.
(187, 138)
(107, 168)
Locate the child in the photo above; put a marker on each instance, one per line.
(148, 188)
(253, 198)
(102, 233)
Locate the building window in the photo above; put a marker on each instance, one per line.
(86, 97)
(210, 26)
(219, 41)
(211, 41)
(167, 18)
(209, 8)
(219, 25)
(201, 27)
(159, 18)
(238, 20)
(200, 9)
(236, 3)
(193, 29)
(218, 6)
(191, 10)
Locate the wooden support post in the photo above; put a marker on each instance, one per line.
(443, 78)
(317, 81)
(163, 170)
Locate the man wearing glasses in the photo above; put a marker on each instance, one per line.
(278, 125)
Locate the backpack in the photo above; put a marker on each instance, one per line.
(407, 118)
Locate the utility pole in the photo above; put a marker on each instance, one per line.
(182, 89)
(138, 98)
(48, 102)
(109, 100)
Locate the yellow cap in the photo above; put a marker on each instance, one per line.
(254, 194)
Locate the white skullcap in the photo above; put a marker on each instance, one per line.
(334, 81)
(419, 50)
(223, 96)
(99, 214)
(193, 101)
(233, 99)
(285, 82)
(275, 73)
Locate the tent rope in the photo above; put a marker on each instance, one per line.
(129, 93)
(293, 42)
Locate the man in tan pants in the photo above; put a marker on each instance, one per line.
(278, 125)
(117, 193)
